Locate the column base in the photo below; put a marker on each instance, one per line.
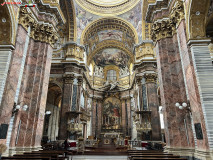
(20, 150)
(203, 154)
(190, 153)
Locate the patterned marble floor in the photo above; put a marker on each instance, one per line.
(92, 157)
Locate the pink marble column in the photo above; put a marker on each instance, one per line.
(39, 121)
(129, 116)
(191, 82)
(26, 94)
(66, 105)
(123, 116)
(171, 88)
(33, 105)
(12, 79)
(99, 118)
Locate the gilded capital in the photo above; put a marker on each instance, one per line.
(69, 78)
(39, 31)
(150, 77)
(167, 27)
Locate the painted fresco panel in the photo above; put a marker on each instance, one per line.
(110, 34)
(111, 56)
(83, 18)
(134, 16)
(111, 113)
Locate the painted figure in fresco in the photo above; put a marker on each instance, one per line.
(111, 57)
(111, 114)
(110, 34)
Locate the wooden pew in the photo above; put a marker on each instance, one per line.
(51, 155)
(154, 158)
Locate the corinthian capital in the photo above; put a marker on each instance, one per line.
(150, 77)
(69, 78)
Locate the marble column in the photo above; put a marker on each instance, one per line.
(172, 90)
(93, 116)
(99, 117)
(12, 78)
(153, 105)
(80, 82)
(124, 118)
(66, 105)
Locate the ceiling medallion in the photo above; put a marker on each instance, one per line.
(107, 7)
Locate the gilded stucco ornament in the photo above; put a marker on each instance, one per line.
(75, 51)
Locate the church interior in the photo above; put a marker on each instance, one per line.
(106, 79)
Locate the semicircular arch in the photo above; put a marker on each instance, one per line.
(109, 23)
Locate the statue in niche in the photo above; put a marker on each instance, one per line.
(124, 71)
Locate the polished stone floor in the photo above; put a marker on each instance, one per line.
(98, 157)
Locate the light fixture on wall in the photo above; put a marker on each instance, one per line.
(184, 105)
(48, 112)
(16, 108)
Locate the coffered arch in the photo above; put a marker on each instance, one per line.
(7, 25)
(197, 18)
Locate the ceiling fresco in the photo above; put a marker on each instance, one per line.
(84, 18)
(134, 17)
(111, 56)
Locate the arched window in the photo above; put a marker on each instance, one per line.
(111, 75)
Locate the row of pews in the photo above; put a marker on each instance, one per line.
(41, 155)
(151, 155)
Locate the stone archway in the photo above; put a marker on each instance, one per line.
(52, 113)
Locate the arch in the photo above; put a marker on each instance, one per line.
(197, 18)
(102, 23)
(55, 92)
(7, 25)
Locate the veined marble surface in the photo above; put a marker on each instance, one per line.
(98, 157)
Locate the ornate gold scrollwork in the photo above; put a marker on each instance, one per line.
(75, 51)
